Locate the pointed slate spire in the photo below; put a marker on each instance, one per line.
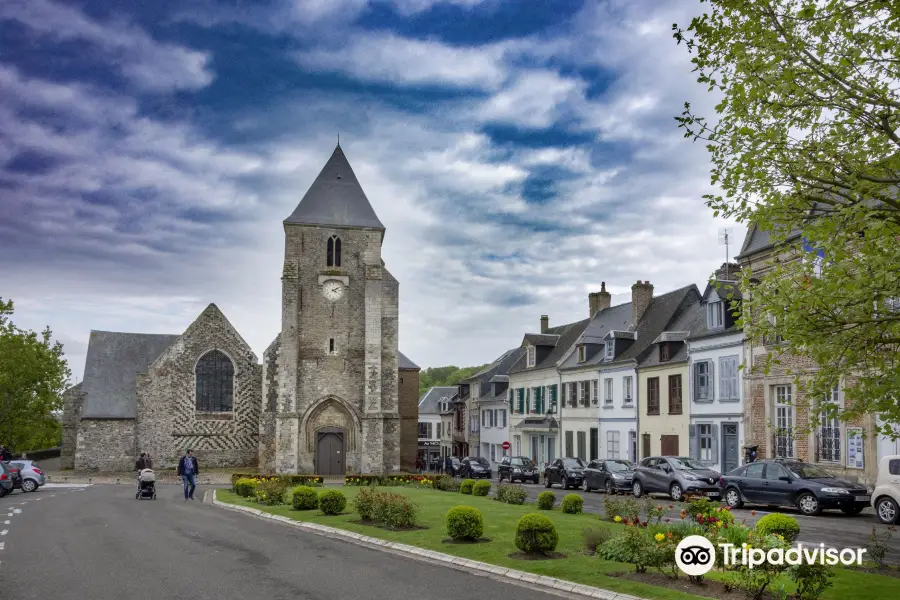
(336, 198)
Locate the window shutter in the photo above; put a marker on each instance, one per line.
(712, 379)
(521, 400)
(528, 401)
(511, 401)
(714, 429)
(553, 396)
(724, 384)
(484, 418)
(694, 443)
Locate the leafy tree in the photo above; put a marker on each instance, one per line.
(33, 376)
(444, 376)
(805, 144)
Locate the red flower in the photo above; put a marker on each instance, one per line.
(667, 519)
(671, 506)
(700, 519)
(753, 512)
(644, 524)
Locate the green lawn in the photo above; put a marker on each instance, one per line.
(499, 525)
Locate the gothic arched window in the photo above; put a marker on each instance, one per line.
(215, 382)
(334, 251)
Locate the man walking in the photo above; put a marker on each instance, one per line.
(188, 470)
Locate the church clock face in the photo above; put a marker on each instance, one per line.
(333, 290)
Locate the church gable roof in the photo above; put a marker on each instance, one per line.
(110, 372)
(336, 198)
(404, 363)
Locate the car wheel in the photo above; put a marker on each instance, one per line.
(547, 483)
(637, 489)
(608, 487)
(584, 485)
(887, 510)
(675, 492)
(852, 510)
(733, 498)
(808, 504)
(29, 485)
(137, 496)
(564, 483)
(536, 480)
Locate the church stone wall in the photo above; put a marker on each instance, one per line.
(269, 412)
(167, 420)
(409, 419)
(105, 445)
(73, 401)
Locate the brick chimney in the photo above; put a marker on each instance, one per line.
(598, 301)
(728, 272)
(545, 323)
(641, 296)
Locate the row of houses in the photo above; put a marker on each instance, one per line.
(669, 374)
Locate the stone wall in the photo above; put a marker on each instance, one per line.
(73, 400)
(105, 445)
(167, 420)
(409, 418)
(269, 411)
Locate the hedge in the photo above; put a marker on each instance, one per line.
(390, 480)
(290, 480)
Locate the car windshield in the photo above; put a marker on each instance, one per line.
(454, 460)
(573, 463)
(684, 464)
(522, 462)
(480, 460)
(804, 471)
(618, 465)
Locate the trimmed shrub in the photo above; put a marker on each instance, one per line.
(511, 494)
(445, 483)
(594, 538)
(289, 480)
(546, 500)
(365, 503)
(394, 510)
(481, 488)
(304, 498)
(465, 487)
(244, 487)
(782, 525)
(536, 534)
(465, 523)
(572, 504)
(332, 502)
(270, 493)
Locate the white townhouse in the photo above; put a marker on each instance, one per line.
(490, 407)
(716, 350)
(617, 364)
(431, 404)
(534, 387)
(579, 407)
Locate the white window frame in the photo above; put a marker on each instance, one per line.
(503, 417)
(517, 443)
(530, 351)
(609, 350)
(583, 393)
(710, 393)
(608, 391)
(705, 443)
(627, 390)
(715, 314)
(595, 395)
(582, 353)
(785, 417)
(832, 426)
(613, 444)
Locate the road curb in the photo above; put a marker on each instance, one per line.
(541, 583)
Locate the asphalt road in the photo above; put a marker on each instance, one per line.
(832, 527)
(100, 543)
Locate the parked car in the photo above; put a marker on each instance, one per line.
(14, 476)
(886, 497)
(32, 475)
(453, 469)
(611, 475)
(793, 483)
(475, 467)
(675, 476)
(512, 468)
(567, 472)
(6, 481)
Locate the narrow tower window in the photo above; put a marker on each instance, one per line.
(331, 346)
(334, 251)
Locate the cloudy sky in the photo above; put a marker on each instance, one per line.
(518, 153)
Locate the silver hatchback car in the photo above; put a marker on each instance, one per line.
(32, 475)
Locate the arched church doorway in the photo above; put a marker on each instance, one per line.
(330, 453)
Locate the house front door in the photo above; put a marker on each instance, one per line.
(730, 450)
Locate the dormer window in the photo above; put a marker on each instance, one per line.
(715, 315)
(444, 405)
(530, 357)
(582, 354)
(663, 352)
(610, 350)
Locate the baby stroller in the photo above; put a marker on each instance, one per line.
(146, 485)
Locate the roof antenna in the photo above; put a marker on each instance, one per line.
(339, 140)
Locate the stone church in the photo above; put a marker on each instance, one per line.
(333, 394)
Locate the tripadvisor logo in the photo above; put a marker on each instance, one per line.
(695, 555)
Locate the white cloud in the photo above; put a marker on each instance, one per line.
(536, 99)
(148, 63)
(391, 58)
